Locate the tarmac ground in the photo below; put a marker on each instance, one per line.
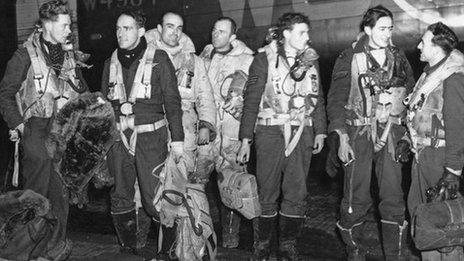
(94, 238)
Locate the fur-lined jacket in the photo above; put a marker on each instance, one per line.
(220, 66)
(192, 80)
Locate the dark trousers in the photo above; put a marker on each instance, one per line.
(151, 151)
(40, 176)
(357, 182)
(277, 173)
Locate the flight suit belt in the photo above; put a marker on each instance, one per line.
(368, 120)
(427, 141)
(359, 121)
(282, 121)
(128, 123)
(290, 142)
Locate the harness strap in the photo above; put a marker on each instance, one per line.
(141, 87)
(301, 122)
(35, 63)
(115, 78)
(364, 121)
(198, 230)
(127, 122)
(279, 121)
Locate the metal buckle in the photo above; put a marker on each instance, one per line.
(126, 109)
(38, 77)
(365, 121)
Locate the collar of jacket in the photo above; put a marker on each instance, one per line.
(238, 48)
(127, 57)
(430, 69)
(185, 43)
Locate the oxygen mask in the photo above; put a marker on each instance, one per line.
(303, 61)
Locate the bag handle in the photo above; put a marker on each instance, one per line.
(198, 230)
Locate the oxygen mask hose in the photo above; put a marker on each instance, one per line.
(303, 61)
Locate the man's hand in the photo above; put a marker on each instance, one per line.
(452, 179)
(403, 151)
(244, 152)
(345, 152)
(318, 143)
(203, 136)
(177, 150)
(16, 134)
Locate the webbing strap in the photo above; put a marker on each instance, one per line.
(149, 64)
(141, 88)
(116, 78)
(35, 63)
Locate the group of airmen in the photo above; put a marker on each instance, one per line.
(169, 102)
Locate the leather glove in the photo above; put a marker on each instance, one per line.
(403, 151)
(452, 180)
(177, 149)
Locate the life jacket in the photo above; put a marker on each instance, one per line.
(425, 104)
(141, 89)
(43, 92)
(364, 93)
(185, 71)
(227, 74)
(285, 101)
(221, 67)
(369, 103)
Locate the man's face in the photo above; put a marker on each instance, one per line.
(222, 34)
(171, 29)
(297, 37)
(128, 33)
(381, 33)
(59, 30)
(426, 47)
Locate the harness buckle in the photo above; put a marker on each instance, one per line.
(38, 76)
(126, 109)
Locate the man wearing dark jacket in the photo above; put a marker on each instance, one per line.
(40, 78)
(140, 81)
(284, 98)
(435, 121)
(369, 83)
